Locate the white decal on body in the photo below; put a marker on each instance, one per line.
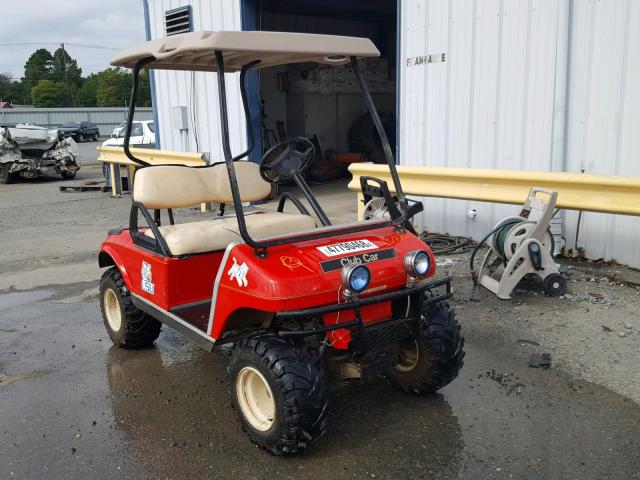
(147, 279)
(239, 272)
(347, 247)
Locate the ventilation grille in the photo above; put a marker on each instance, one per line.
(178, 20)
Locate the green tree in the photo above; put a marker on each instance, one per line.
(66, 87)
(113, 87)
(38, 67)
(62, 61)
(88, 93)
(48, 94)
(65, 70)
(10, 90)
(144, 90)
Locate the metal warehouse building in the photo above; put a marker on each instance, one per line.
(551, 85)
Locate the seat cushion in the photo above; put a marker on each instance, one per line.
(176, 186)
(211, 235)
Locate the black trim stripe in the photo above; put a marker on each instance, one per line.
(362, 258)
(198, 337)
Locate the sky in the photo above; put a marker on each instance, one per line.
(117, 24)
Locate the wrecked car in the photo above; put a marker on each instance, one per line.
(31, 151)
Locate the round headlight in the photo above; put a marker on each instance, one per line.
(356, 278)
(417, 262)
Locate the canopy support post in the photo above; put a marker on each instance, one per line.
(228, 157)
(132, 110)
(245, 105)
(386, 146)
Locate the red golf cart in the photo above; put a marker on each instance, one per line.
(293, 295)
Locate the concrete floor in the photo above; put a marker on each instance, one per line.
(73, 406)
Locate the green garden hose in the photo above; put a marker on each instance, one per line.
(500, 226)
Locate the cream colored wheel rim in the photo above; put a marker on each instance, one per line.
(112, 310)
(255, 399)
(408, 358)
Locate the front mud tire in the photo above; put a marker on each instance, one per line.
(279, 392)
(435, 357)
(128, 326)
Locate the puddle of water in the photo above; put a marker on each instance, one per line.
(15, 299)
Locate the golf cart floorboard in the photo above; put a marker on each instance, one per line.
(196, 314)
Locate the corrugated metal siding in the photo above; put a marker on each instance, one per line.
(604, 116)
(499, 101)
(489, 105)
(198, 91)
(107, 118)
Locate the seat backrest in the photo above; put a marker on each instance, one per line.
(174, 186)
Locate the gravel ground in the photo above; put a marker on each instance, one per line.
(592, 332)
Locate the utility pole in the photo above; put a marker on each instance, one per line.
(66, 74)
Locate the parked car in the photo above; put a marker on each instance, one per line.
(118, 129)
(80, 131)
(142, 133)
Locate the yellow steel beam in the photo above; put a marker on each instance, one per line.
(576, 191)
(149, 155)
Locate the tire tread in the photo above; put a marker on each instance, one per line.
(441, 331)
(302, 383)
(141, 329)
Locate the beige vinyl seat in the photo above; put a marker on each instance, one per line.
(171, 186)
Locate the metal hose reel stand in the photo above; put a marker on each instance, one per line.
(376, 209)
(523, 246)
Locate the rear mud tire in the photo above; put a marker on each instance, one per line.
(5, 176)
(128, 326)
(294, 383)
(68, 175)
(435, 357)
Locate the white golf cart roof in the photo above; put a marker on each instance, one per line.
(195, 50)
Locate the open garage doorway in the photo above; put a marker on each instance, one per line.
(324, 103)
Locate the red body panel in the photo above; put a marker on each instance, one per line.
(289, 278)
(176, 281)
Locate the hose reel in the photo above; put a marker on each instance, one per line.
(522, 246)
(376, 209)
(509, 234)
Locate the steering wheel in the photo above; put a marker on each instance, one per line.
(286, 159)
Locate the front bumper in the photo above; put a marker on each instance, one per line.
(368, 336)
(33, 169)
